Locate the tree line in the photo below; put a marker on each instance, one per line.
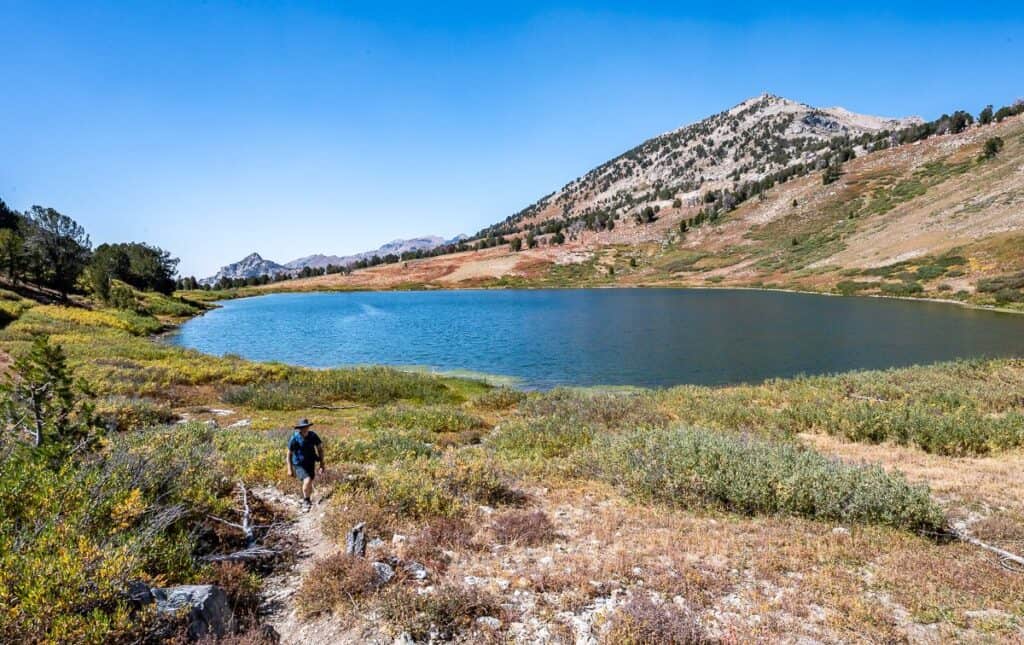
(46, 248)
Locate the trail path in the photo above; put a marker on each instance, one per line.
(279, 608)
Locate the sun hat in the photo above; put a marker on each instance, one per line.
(303, 423)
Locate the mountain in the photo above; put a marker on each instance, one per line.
(396, 247)
(770, 193)
(250, 266)
(253, 265)
(762, 136)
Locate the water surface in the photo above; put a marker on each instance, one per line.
(643, 337)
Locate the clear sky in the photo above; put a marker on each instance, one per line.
(214, 129)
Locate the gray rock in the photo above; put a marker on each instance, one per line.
(490, 622)
(384, 572)
(416, 570)
(241, 423)
(355, 541)
(206, 608)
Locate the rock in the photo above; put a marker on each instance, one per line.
(139, 594)
(242, 423)
(207, 608)
(490, 622)
(355, 541)
(375, 543)
(384, 572)
(399, 539)
(416, 570)
(212, 424)
(404, 639)
(840, 530)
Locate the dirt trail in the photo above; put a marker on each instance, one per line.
(279, 608)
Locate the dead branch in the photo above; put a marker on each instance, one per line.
(252, 553)
(1004, 556)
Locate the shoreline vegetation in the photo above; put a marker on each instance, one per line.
(804, 501)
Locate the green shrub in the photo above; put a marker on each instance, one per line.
(540, 439)
(431, 418)
(127, 413)
(902, 289)
(606, 411)
(74, 535)
(499, 398)
(690, 467)
(371, 385)
(386, 446)
(427, 488)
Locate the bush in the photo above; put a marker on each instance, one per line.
(596, 410)
(901, 289)
(120, 413)
(354, 507)
(449, 610)
(336, 581)
(73, 536)
(428, 488)
(992, 147)
(499, 398)
(371, 385)
(526, 528)
(641, 622)
(386, 446)
(700, 468)
(431, 418)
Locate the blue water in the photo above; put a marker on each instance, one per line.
(643, 337)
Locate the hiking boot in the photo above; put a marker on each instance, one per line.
(306, 504)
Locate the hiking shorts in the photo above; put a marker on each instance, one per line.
(303, 473)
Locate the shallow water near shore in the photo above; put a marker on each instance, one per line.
(587, 337)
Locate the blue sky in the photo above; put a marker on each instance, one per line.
(214, 129)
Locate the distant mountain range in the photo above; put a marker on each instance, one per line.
(255, 265)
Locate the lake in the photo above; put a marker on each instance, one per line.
(642, 337)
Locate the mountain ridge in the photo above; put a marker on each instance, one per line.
(254, 265)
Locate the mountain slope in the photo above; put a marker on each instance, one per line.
(762, 137)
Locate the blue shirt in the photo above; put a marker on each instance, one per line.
(304, 449)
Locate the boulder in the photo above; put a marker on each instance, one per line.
(355, 541)
(205, 606)
(384, 572)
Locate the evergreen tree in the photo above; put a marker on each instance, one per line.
(60, 248)
(986, 115)
(41, 400)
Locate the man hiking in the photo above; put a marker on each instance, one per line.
(304, 451)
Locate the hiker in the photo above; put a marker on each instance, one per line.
(304, 451)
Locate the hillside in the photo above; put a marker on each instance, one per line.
(929, 218)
